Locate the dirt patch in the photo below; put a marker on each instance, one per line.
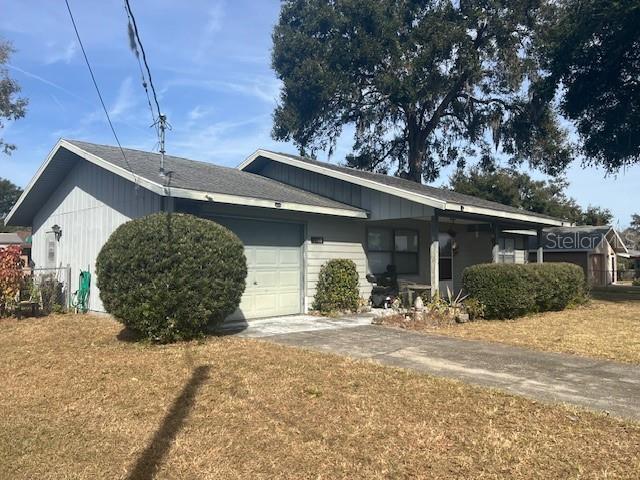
(78, 403)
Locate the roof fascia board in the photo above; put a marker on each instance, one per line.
(490, 212)
(178, 192)
(363, 182)
(122, 172)
(262, 203)
(399, 192)
(33, 181)
(619, 238)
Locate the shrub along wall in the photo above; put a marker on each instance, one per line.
(509, 291)
(337, 289)
(169, 276)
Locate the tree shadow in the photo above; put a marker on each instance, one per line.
(149, 461)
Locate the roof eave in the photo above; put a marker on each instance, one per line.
(415, 197)
(179, 192)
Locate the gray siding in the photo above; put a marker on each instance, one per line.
(88, 205)
(342, 239)
(380, 205)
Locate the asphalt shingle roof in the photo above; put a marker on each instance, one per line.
(207, 177)
(434, 192)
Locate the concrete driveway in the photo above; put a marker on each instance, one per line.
(596, 384)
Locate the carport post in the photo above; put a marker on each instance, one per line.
(434, 250)
(540, 245)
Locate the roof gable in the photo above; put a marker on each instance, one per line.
(435, 197)
(185, 179)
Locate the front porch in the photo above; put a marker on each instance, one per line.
(435, 250)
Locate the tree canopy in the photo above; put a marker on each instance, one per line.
(590, 54)
(518, 189)
(12, 107)
(426, 84)
(9, 194)
(631, 235)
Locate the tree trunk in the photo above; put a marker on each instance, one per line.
(416, 158)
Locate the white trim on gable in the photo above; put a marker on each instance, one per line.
(400, 192)
(165, 191)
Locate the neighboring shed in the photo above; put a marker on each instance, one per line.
(593, 248)
(21, 239)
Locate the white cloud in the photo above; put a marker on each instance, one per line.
(64, 55)
(215, 16)
(262, 87)
(124, 102)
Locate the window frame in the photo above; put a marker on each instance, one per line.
(503, 253)
(445, 257)
(393, 252)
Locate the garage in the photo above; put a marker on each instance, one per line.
(274, 263)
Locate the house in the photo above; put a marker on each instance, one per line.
(595, 249)
(292, 213)
(21, 239)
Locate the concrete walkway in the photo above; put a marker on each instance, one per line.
(596, 384)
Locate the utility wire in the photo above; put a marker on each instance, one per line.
(161, 124)
(95, 84)
(144, 55)
(133, 44)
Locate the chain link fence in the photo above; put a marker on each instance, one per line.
(50, 287)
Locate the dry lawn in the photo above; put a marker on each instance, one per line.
(601, 329)
(78, 403)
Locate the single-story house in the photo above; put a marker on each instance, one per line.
(292, 213)
(634, 256)
(595, 249)
(21, 239)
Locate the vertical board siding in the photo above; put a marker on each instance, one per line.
(342, 239)
(88, 205)
(380, 205)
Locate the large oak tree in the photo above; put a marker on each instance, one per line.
(590, 54)
(425, 83)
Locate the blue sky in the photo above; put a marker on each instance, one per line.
(211, 65)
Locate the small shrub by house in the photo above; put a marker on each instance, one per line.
(512, 290)
(10, 276)
(170, 276)
(337, 288)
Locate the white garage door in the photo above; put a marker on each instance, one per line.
(274, 262)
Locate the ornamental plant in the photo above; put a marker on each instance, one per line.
(337, 289)
(170, 276)
(10, 276)
(514, 290)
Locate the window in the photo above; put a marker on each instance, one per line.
(507, 247)
(446, 257)
(392, 247)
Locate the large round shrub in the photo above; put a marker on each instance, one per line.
(513, 290)
(169, 276)
(337, 288)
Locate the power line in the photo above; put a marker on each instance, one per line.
(161, 124)
(144, 55)
(133, 44)
(95, 84)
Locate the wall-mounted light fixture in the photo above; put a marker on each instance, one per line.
(57, 231)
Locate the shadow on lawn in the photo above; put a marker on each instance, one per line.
(149, 461)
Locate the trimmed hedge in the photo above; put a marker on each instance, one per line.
(337, 289)
(513, 290)
(169, 276)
